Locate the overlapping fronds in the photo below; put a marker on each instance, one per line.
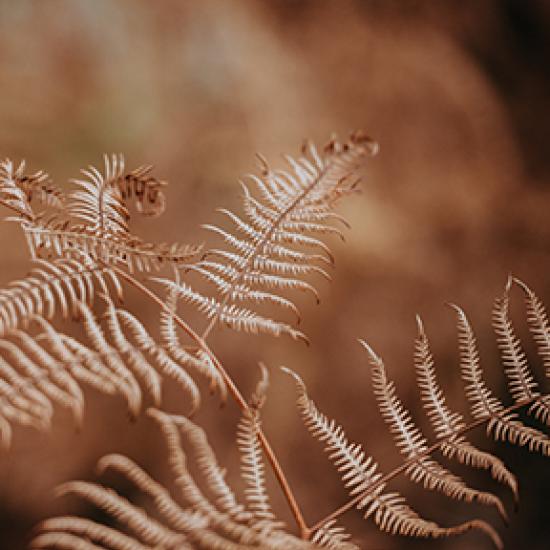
(56, 236)
(95, 220)
(365, 483)
(52, 286)
(449, 425)
(413, 445)
(502, 423)
(194, 358)
(278, 241)
(201, 514)
(41, 367)
(390, 511)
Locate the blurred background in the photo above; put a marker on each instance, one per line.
(457, 95)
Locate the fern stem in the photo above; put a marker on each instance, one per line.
(405, 465)
(305, 531)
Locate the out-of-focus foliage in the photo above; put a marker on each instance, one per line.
(455, 93)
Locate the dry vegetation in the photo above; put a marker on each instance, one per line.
(456, 201)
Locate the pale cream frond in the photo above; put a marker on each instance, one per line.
(57, 285)
(147, 529)
(521, 383)
(56, 529)
(145, 343)
(234, 317)
(198, 361)
(357, 470)
(393, 515)
(484, 405)
(362, 479)
(333, 537)
(447, 424)
(539, 326)
(97, 202)
(293, 210)
(131, 355)
(95, 220)
(413, 445)
(252, 463)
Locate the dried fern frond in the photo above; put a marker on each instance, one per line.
(96, 218)
(521, 383)
(539, 326)
(18, 189)
(360, 475)
(448, 424)
(56, 236)
(252, 465)
(333, 536)
(413, 445)
(41, 367)
(502, 423)
(266, 253)
(55, 285)
(484, 405)
(189, 519)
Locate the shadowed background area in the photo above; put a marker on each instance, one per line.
(457, 96)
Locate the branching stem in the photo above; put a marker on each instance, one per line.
(405, 465)
(237, 396)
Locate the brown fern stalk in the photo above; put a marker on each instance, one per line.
(295, 509)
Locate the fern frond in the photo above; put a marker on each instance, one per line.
(59, 284)
(501, 425)
(197, 523)
(448, 424)
(234, 317)
(56, 235)
(539, 326)
(62, 532)
(358, 471)
(131, 355)
(334, 537)
(97, 202)
(149, 530)
(521, 383)
(252, 465)
(18, 189)
(364, 482)
(164, 362)
(145, 190)
(39, 369)
(96, 219)
(393, 515)
(413, 445)
(46, 368)
(294, 209)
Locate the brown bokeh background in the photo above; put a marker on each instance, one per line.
(457, 95)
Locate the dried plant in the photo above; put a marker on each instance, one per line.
(84, 253)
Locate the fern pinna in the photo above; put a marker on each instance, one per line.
(84, 253)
